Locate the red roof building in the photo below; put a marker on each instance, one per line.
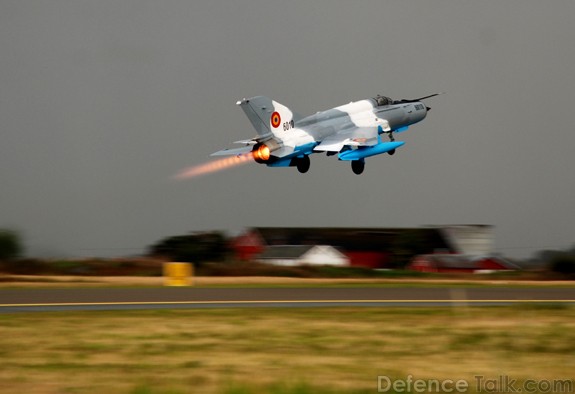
(363, 247)
(457, 263)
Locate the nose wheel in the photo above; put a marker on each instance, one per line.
(392, 139)
(357, 166)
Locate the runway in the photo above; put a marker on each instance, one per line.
(19, 300)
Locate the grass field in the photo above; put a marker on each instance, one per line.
(274, 350)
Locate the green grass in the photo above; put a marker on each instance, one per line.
(287, 388)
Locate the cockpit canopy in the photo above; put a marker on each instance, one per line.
(382, 101)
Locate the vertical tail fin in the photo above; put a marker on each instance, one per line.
(268, 117)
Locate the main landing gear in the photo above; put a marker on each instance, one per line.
(302, 164)
(357, 166)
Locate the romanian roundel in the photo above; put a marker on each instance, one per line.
(276, 120)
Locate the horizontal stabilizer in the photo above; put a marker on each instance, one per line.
(233, 152)
(246, 142)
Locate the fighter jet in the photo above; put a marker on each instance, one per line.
(352, 131)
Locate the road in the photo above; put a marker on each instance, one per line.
(42, 299)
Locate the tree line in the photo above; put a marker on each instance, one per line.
(214, 247)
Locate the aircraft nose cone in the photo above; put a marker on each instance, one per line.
(428, 109)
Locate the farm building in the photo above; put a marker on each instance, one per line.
(457, 263)
(303, 255)
(369, 247)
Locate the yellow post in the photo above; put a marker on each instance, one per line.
(178, 274)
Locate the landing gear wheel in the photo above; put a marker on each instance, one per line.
(357, 166)
(303, 164)
(391, 152)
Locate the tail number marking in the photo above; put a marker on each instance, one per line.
(288, 125)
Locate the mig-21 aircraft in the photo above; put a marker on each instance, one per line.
(352, 131)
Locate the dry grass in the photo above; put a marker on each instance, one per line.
(326, 350)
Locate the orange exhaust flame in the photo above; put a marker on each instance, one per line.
(213, 166)
(262, 153)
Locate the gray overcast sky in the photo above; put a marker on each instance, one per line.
(101, 102)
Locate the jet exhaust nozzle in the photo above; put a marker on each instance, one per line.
(262, 151)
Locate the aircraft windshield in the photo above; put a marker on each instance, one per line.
(383, 101)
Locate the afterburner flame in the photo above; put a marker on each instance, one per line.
(262, 153)
(214, 166)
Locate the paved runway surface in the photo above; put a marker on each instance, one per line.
(12, 300)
